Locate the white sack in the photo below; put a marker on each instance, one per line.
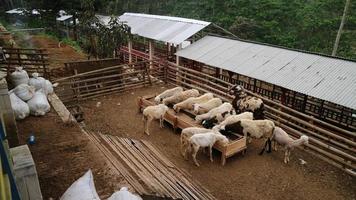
(39, 104)
(20, 108)
(41, 83)
(124, 194)
(24, 91)
(82, 189)
(19, 76)
(36, 81)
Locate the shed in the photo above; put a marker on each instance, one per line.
(327, 78)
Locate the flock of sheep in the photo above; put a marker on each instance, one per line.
(243, 116)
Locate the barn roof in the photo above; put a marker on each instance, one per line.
(163, 28)
(324, 77)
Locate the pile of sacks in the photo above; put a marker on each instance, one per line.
(30, 94)
(84, 189)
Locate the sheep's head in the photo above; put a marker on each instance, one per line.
(157, 99)
(236, 90)
(196, 108)
(305, 139)
(176, 108)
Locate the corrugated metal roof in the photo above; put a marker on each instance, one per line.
(163, 28)
(323, 77)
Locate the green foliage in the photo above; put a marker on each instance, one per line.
(72, 43)
(303, 24)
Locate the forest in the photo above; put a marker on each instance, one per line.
(309, 25)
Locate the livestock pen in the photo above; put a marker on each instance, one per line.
(328, 142)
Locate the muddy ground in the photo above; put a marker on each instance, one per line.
(248, 177)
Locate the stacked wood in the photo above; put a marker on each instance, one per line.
(147, 170)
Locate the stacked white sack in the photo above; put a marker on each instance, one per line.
(24, 91)
(20, 108)
(19, 76)
(39, 104)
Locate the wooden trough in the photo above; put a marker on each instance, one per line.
(183, 119)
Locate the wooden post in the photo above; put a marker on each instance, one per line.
(304, 103)
(254, 85)
(151, 52)
(178, 63)
(129, 44)
(230, 76)
(217, 72)
(7, 114)
(274, 87)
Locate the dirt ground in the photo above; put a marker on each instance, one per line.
(63, 154)
(58, 54)
(248, 177)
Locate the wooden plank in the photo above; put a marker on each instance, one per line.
(112, 161)
(151, 166)
(134, 166)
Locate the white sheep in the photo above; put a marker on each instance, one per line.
(202, 140)
(215, 112)
(154, 112)
(188, 103)
(282, 138)
(167, 93)
(255, 129)
(186, 134)
(233, 119)
(201, 108)
(180, 96)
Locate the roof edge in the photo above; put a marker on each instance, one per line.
(179, 19)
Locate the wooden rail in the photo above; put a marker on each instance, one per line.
(32, 60)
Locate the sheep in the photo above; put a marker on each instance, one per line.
(232, 119)
(282, 138)
(188, 103)
(201, 108)
(186, 134)
(254, 128)
(242, 102)
(167, 93)
(180, 96)
(154, 112)
(205, 140)
(211, 122)
(215, 112)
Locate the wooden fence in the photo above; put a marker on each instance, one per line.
(104, 81)
(32, 60)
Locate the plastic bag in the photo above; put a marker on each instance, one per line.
(19, 76)
(124, 194)
(39, 104)
(20, 108)
(82, 189)
(24, 92)
(41, 83)
(36, 81)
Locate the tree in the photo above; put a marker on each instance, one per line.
(337, 40)
(99, 38)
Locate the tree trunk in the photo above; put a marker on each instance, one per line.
(75, 26)
(336, 44)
